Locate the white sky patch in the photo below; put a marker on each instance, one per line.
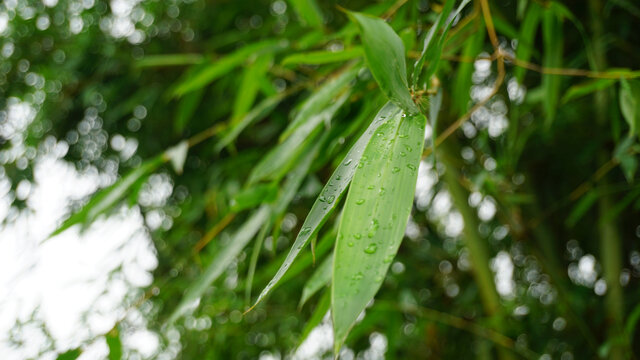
(502, 266)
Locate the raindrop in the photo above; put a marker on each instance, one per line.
(305, 230)
(359, 201)
(382, 191)
(371, 248)
(412, 167)
(331, 199)
(357, 236)
(403, 154)
(388, 258)
(370, 187)
(395, 170)
(346, 163)
(350, 244)
(358, 276)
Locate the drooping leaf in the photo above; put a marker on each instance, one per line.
(630, 104)
(553, 42)
(626, 154)
(323, 57)
(308, 11)
(177, 156)
(280, 159)
(374, 218)
(329, 196)
(320, 278)
(105, 199)
(320, 100)
(586, 88)
(238, 241)
(385, 56)
(206, 74)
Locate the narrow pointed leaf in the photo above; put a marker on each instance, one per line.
(226, 255)
(169, 60)
(105, 199)
(114, 344)
(250, 85)
(186, 108)
(320, 100)
(254, 196)
(329, 196)
(526, 38)
(586, 88)
(206, 74)
(374, 218)
(552, 58)
(276, 163)
(319, 279)
(385, 56)
(308, 11)
(630, 104)
(323, 57)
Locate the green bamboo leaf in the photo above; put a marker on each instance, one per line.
(318, 314)
(320, 100)
(177, 155)
(264, 108)
(586, 88)
(308, 11)
(526, 38)
(374, 218)
(433, 43)
(553, 42)
(254, 196)
(329, 196)
(70, 354)
(630, 104)
(280, 159)
(581, 208)
(105, 199)
(186, 108)
(114, 344)
(206, 74)
(318, 280)
(169, 60)
(249, 86)
(222, 260)
(434, 110)
(462, 83)
(323, 57)
(385, 56)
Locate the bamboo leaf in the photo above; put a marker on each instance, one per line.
(462, 83)
(169, 60)
(320, 100)
(204, 75)
(254, 196)
(385, 56)
(114, 344)
(526, 38)
(105, 199)
(250, 85)
(374, 218)
(70, 354)
(586, 88)
(323, 57)
(552, 58)
(308, 11)
(276, 163)
(222, 260)
(320, 278)
(186, 108)
(329, 196)
(630, 104)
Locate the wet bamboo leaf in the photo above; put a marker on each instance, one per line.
(105, 199)
(206, 74)
(221, 261)
(329, 196)
(586, 88)
(318, 280)
(374, 218)
(385, 56)
(254, 196)
(280, 159)
(308, 11)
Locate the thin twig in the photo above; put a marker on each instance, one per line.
(213, 232)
